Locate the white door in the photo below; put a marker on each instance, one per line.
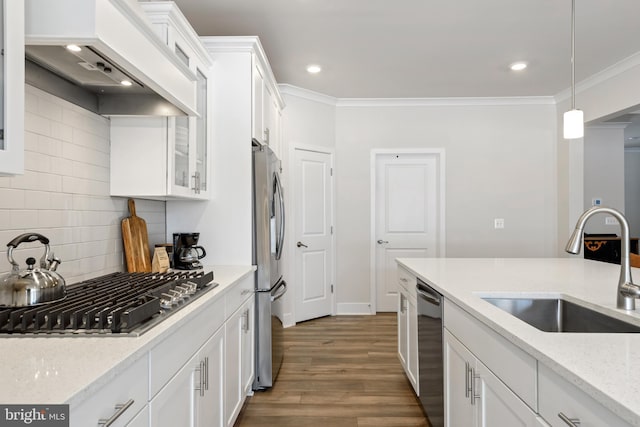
(313, 234)
(407, 216)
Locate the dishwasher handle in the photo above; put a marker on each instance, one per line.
(427, 293)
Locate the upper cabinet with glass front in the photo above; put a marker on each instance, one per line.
(12, 88)
(187, 155)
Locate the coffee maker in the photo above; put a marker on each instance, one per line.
(186, 252)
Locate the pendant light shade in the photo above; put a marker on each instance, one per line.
(573, 124)
(573, 119)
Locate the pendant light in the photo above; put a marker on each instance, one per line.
(573, 119)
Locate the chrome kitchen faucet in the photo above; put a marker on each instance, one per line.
(627, 290)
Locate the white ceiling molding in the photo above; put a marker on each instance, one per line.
(287, 89)
(600, 77)
(445, 102)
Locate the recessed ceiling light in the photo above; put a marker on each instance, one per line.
(74, 48)
(314, 69)
(518, 66)
(126, 83)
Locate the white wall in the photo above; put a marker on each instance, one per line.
(500, 163)
(64, 192)
(604, 173)
(599, 96)
(309, 119)
(632, 189)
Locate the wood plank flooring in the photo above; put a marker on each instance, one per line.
(340, 371)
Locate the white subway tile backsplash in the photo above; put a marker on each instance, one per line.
(64, 192)
(36, 124)
(12, 199)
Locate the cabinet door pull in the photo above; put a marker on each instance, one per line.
(120, 409)
(573, 422)
(474, 377)
(467, 389)
(206, 373)
(200, 370)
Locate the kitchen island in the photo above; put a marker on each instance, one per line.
(604, 366)
(74, 369)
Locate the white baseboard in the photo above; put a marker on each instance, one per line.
(358, 308)
(288, 320)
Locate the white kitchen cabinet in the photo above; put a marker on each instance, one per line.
(119, 400)
(12, 110)
(474, 396)
(408, 327)
(558, 396)
(174, 405)
(239, 357)
(140, 420)
(266, 111)
(209, 409)
(194, 396)
(166, 157)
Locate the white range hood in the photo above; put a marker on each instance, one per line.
(117, 42)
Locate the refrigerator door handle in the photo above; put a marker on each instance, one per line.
(279, 195)
(277, 295)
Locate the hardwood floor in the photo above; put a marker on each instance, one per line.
(338, 371)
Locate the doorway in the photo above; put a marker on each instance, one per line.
(407, 215)
(313, 228)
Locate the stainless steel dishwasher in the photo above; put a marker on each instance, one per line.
(430, 363)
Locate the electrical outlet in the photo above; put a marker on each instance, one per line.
(610, 221)
(498, 223)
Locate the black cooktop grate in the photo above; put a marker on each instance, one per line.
(117, 303)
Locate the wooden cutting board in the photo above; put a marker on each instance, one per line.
(136, 242)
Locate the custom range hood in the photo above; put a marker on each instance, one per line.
(104, 56)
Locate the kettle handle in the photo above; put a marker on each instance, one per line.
(28, 237)
(204, 253)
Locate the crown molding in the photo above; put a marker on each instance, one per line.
(445, 102)
(310, 95)
(601, 76)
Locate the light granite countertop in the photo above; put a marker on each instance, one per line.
(63, 369)
(605, 366)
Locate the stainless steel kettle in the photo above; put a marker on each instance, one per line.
(35, 285)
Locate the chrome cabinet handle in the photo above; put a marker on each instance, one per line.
(200, 386)
(120, 409)
(206, 373)
(380, 241)
(474, 377)
(301, 245)
(573, 422)
(467, 388)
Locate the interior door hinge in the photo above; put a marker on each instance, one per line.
(332, 288)
(332, 229)
(331, 171)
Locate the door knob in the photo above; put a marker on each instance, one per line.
(380, 241)
(300, 244)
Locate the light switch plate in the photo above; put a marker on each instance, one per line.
(498, 223)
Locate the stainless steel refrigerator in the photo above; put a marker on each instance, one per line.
(268, 239)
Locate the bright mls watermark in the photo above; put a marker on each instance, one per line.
(34, 415)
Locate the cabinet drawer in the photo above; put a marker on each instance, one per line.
(558, 395)
(239, 293)
(512, 365)
(408, 281)
(128, 385)
(175, 350)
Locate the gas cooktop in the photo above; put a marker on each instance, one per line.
(117, 304)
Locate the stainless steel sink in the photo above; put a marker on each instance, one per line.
(560, 315)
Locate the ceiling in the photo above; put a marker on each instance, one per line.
(427, 48)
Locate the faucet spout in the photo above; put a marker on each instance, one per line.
(627, 291)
